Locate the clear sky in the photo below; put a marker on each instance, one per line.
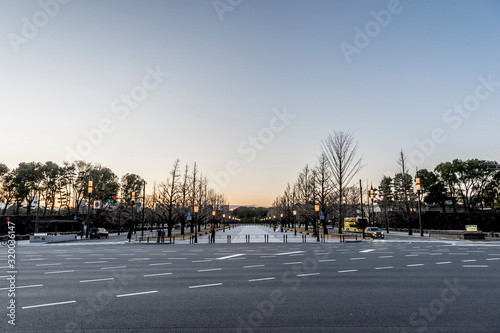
(247, 89)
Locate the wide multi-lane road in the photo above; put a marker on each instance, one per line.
(392, 285)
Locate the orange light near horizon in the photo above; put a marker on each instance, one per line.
(316, 208)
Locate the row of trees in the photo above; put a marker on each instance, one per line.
(65, 188)
(459, 185)
(327, 184)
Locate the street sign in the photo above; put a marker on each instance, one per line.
(471, 227)
(97, 204)
(322, 215)
(139, 209)
(189, 214)
(75, 217)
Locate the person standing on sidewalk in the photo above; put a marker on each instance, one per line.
(212, 235)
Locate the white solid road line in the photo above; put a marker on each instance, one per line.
(231, 256)
(262, 279)
(20, 287)
(209, 270)
(47, 304)
(140, 293)
(95, 280)
(58, 272)
(285, 253)
(94, 262)
(307, 274)
(253, 266)
(475, 266)
(158, 274)
(205, 285)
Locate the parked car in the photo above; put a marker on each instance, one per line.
(98, 233)
(374, 232)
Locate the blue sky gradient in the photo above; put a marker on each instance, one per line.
(227, 79)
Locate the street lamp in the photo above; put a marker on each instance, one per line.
(143, 208)
(417, 182)
(213, 218)
(295, 222)
(133, 206)
(316, 208)
(91, 183)
(223, 222)
(195, 208)
(372, 196)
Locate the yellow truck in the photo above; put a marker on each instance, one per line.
(355, 224)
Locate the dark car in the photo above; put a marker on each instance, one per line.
(98, 233)
(374, 232)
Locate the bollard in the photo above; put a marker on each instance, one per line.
(148, 239)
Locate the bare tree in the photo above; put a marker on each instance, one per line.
(404, 196)
(169, 196)
(341, 151)
(323, 187)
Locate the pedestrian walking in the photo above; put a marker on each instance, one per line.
(212, 238)
(129, 236)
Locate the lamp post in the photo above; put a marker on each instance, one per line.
(133, 206)
(295, 222)
(342, 209)
(223, 222)
(417, 182)
(143, 208)
(91, 184)
(213, 218)
(281, 221)
(195, 208)
(372, 196)
(316, 208)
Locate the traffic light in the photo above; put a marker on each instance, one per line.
(112, 200)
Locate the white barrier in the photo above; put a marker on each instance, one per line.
(45, 238)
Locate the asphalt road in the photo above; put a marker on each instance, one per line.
(394, 285)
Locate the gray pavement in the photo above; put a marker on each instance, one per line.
(391, 285)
